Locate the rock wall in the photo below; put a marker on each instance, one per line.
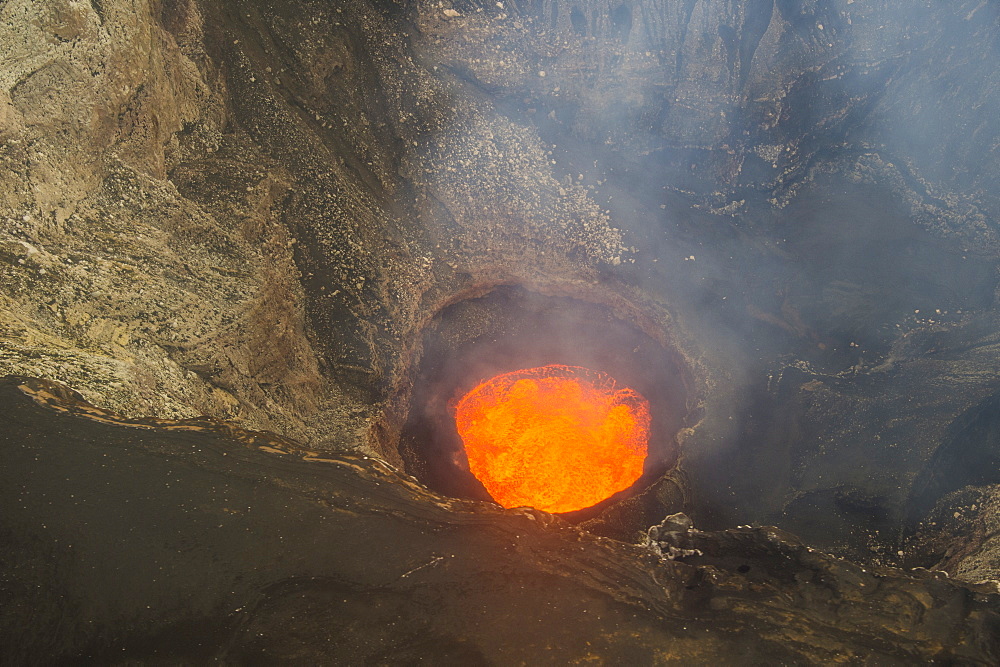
(253, 210)
(144, 261)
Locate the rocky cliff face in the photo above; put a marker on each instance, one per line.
(154, 286)
(286, 213)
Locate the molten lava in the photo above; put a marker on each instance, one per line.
(557, 438)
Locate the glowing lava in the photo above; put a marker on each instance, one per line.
(557, 438)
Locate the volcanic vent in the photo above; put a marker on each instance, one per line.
(552, 402)
(557, 438)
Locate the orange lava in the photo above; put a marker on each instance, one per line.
(556, 438)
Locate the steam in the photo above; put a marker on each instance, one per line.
(802, 186)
